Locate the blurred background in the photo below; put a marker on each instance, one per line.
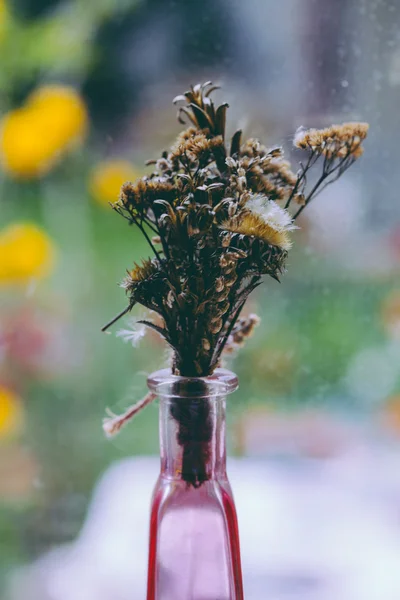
(85, 100)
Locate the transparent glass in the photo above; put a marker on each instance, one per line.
(194, 542)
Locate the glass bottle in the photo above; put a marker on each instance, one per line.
(194, 542)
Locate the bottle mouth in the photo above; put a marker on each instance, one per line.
(220, 383)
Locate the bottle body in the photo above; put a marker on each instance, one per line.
(194, 542)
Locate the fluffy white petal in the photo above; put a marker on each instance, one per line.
(133, 334)
(274, 215)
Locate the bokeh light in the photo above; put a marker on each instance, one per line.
(107, 178)
(26, 253)
(34, 137)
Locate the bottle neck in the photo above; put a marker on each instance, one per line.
(192, 424)
(192, 438)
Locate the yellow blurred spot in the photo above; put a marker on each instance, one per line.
(10, 411)
(34, 136)
(62, 109)
(26, 252)
(107, 178)
(27, 151)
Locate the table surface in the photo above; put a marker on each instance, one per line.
(309, 529)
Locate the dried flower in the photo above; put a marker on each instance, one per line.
(335, 148)
(271, 213)
(114, 423)
(194, 146)
(143, 272)
(252, 224)
(346, 137)
(216, 223)
(217, 219)
(243, 329)
(138, 197)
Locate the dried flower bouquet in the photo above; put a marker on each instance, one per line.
(217, 217)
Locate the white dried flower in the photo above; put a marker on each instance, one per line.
(272, 214)
(133, 334)
(231, 162)
(241, 183)
(300, 137)
(125, 283)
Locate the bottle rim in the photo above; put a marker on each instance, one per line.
(166, 384)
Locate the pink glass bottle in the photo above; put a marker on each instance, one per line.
(194, 542)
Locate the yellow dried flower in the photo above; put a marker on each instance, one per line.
(281, 170)
(143, 271)
(107, 178)
(185, 135)
(253, 148)
(268, 173)
(26, 252)
(194, 145)
(299, 199)
(336, 140)
(243, 329)
(140, 194)
(358, 151)
(265, 219)
(253, 225)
